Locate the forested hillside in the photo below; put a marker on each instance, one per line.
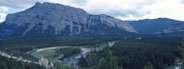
(8, 63)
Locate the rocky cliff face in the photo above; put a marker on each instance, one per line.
(50, 19)
(175, 28)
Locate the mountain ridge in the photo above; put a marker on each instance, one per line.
(51, 19)
(153, 26)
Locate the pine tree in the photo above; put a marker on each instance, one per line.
(102, 63)
(148, 66)
(182, 49)
(82, 62)
(109, 61)
(92, 60)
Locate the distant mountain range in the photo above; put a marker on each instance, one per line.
(50, 19)
(157, 26)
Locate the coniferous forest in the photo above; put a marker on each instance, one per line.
(8, 63)
(127, 53)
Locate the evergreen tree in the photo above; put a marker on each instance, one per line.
(109, 61)
(57, 65)
(92, 60)
(102, 64)
(148, 66)
(182, 49)
(82, 62)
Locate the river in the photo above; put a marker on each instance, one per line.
(73, 60)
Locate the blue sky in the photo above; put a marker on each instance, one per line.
(5, 10)
(122, 9)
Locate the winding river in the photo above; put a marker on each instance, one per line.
(73, 60)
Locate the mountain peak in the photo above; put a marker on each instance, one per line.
(37, 3)
(55, 6)
(46, 3)
(51, 19)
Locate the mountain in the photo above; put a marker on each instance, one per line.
(175, 28)
(155, 26)
(50, 19)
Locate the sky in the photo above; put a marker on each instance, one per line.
(121, 9)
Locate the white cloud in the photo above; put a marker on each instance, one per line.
(3, 15)
(162, 8)
(1, 20)
(123, 9)
(3, 9)
(166, 8)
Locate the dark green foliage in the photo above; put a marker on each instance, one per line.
(19, 52)
(101, 60)
(90, 61)
(128, 53)
(148, 66)
(82, 62)
(102, 63)
(57, 65)
(56, 41)
(68, 52)
(108, 61)
(182, 49)
(134, 54)
(7, 63)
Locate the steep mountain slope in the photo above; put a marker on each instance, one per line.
(175, 28)
(153, 26)
(50, 19)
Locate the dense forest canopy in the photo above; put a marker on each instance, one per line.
(128, 52)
